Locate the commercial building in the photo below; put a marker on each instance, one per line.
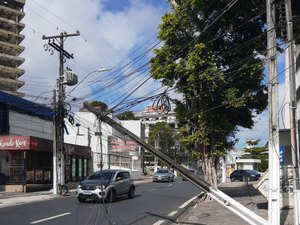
(26, 147)
(11, 14)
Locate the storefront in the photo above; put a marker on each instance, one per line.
(26, 163)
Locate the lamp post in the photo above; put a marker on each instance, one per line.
(102, 69)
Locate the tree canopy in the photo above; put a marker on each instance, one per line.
(162, 136)
(255, 152)
(210, 54)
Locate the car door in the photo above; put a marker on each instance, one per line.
(127, 181)
(120, 183)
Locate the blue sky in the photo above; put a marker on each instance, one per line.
(117, 34)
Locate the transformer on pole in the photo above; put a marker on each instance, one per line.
(63, 79)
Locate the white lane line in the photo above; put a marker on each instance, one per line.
(154, 189)
(188, 202)
(172, 213)
(50, 218)
(169, 185)
(159, 222)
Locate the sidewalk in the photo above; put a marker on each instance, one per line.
(212, 213)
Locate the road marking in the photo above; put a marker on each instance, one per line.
(159, 222)
(188, 202)
(50, 218)
(172, 213)
(170, 185)
(154, 189)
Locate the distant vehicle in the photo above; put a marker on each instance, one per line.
(240, 175)
(163, 175)
(191, 171)
(106, 185)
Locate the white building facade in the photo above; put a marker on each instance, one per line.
(110, 149)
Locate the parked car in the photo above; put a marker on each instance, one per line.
(106, 185)
(163, 175)
(191, 171)
(241, 175)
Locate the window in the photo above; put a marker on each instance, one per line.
(73, 168)
(125, 175)
(4, 119)
(85, 168)
(80, 168)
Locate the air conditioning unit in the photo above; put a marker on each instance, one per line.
(70, 78)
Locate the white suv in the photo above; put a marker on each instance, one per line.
(106, 184)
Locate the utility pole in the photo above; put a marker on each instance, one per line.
(54, 146)
(157, 147)
(60, 113)
(274, 173)
(101, 145)
(293, 123)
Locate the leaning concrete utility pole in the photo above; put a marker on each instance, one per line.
(274, 173)
(246, 214)
(60, 112)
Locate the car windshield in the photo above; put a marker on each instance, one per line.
(104, 175)
(162, 171)
(251, 171)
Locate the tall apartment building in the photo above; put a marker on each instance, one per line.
(11, 14)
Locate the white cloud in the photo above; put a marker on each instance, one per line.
(106, 38)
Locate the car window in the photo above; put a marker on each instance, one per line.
(162, 171)
(126, 175)
(104, 175)
(119, 175)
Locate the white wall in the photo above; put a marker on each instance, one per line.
(26, 125)
(89, 120)
(135, 126)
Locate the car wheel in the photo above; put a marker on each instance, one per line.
(232, 179)
(131, 192)
(81, 199)
(110, 196)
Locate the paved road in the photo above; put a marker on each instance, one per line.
(154, 203)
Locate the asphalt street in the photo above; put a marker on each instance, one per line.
(154, 204)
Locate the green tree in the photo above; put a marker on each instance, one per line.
(128, 115)
(162, 135)
(215, 65)
(255, 152)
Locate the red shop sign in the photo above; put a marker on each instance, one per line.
(14, 142)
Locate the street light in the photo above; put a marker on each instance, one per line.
(102, 69)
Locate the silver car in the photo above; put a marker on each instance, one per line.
(163, 175)
(106, 185)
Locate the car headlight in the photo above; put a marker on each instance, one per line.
(252, 175)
